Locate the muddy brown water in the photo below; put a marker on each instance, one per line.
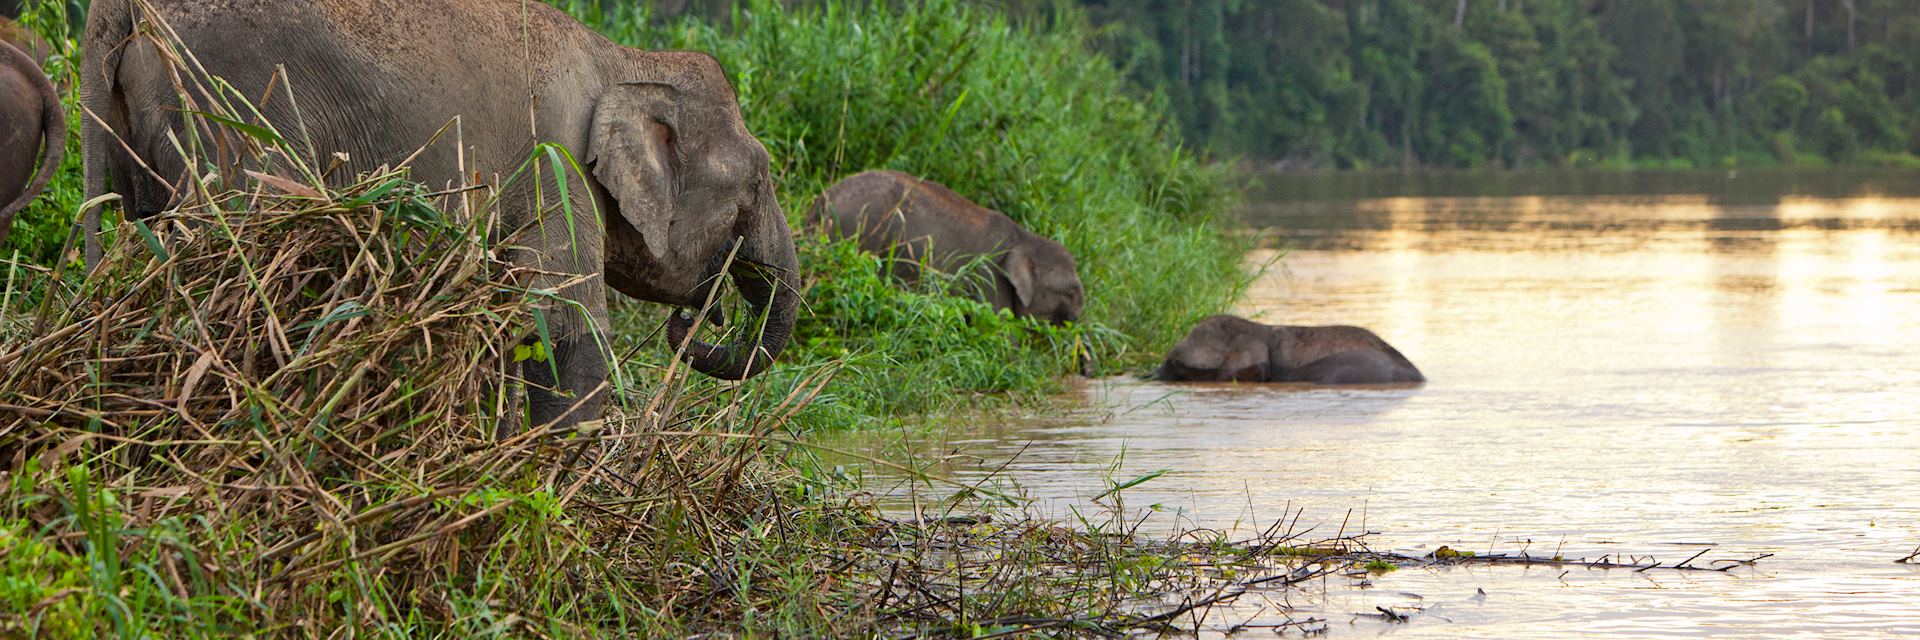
(1623, 363)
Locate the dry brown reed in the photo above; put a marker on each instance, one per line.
(314, 378)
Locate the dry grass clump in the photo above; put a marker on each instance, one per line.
(277, 409)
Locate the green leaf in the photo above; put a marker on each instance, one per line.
(536, 352)
(153, 241)
(546, 338)
(1132, 483)
(255, 131)
(343, 311)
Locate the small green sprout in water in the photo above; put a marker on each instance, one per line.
(1379, 566)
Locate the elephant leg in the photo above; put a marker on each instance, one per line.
(510, 400)
(1352, 367)
(578, 390)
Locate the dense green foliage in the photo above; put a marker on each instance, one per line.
(1021, 119)
(1357, 83)
(1026, 120)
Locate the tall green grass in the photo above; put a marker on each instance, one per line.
(1027, 121)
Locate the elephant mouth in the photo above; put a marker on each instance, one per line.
(713, 281)
(771, 301)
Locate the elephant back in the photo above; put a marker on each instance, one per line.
(25, 40)
(1298, 345)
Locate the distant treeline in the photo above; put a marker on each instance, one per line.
(1510, 83)
(1468, 83)
(1355, 83)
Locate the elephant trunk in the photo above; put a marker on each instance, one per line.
(766, 272)
(53, 134)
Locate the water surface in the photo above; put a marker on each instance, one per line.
(1619, 363)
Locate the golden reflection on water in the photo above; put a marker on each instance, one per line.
(1611, 374)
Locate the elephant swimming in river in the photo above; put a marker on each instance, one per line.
(1227, 348)
(679, 182)
(918, 220)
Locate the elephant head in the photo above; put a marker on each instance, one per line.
(1220, 349)
(1045, 281)
(692, 197)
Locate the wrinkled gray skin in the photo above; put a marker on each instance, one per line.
(1233, 349)
(678, 177)
(894, 212)
(33, 126)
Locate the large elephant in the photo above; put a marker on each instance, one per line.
(1233, 349)
(679, 182)
(33, 125)
(919, 220)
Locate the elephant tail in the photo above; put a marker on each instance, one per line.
(53, 133)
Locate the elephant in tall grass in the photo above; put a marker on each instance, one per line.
(33, 125)
(24, 39)
(920, 220)
(1233, 349)
(671, 186)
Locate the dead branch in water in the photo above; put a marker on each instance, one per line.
(1636, 563)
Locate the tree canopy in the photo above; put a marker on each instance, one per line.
(1466, 83)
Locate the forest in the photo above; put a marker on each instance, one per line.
(1515, 83)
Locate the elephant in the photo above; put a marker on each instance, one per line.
(24, 39)
(1227, 348)
(33, 124)
(915, 219)
(674, 189)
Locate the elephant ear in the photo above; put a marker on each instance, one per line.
(631, 148)
(1020, 269)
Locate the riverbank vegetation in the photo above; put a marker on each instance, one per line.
(1023, 119)
(287, 423)
(278, 411)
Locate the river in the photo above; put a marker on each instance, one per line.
(1620, 363)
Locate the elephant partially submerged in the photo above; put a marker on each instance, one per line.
(920, 220)
(1232, 349)
(33, 125)
(679, 182)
